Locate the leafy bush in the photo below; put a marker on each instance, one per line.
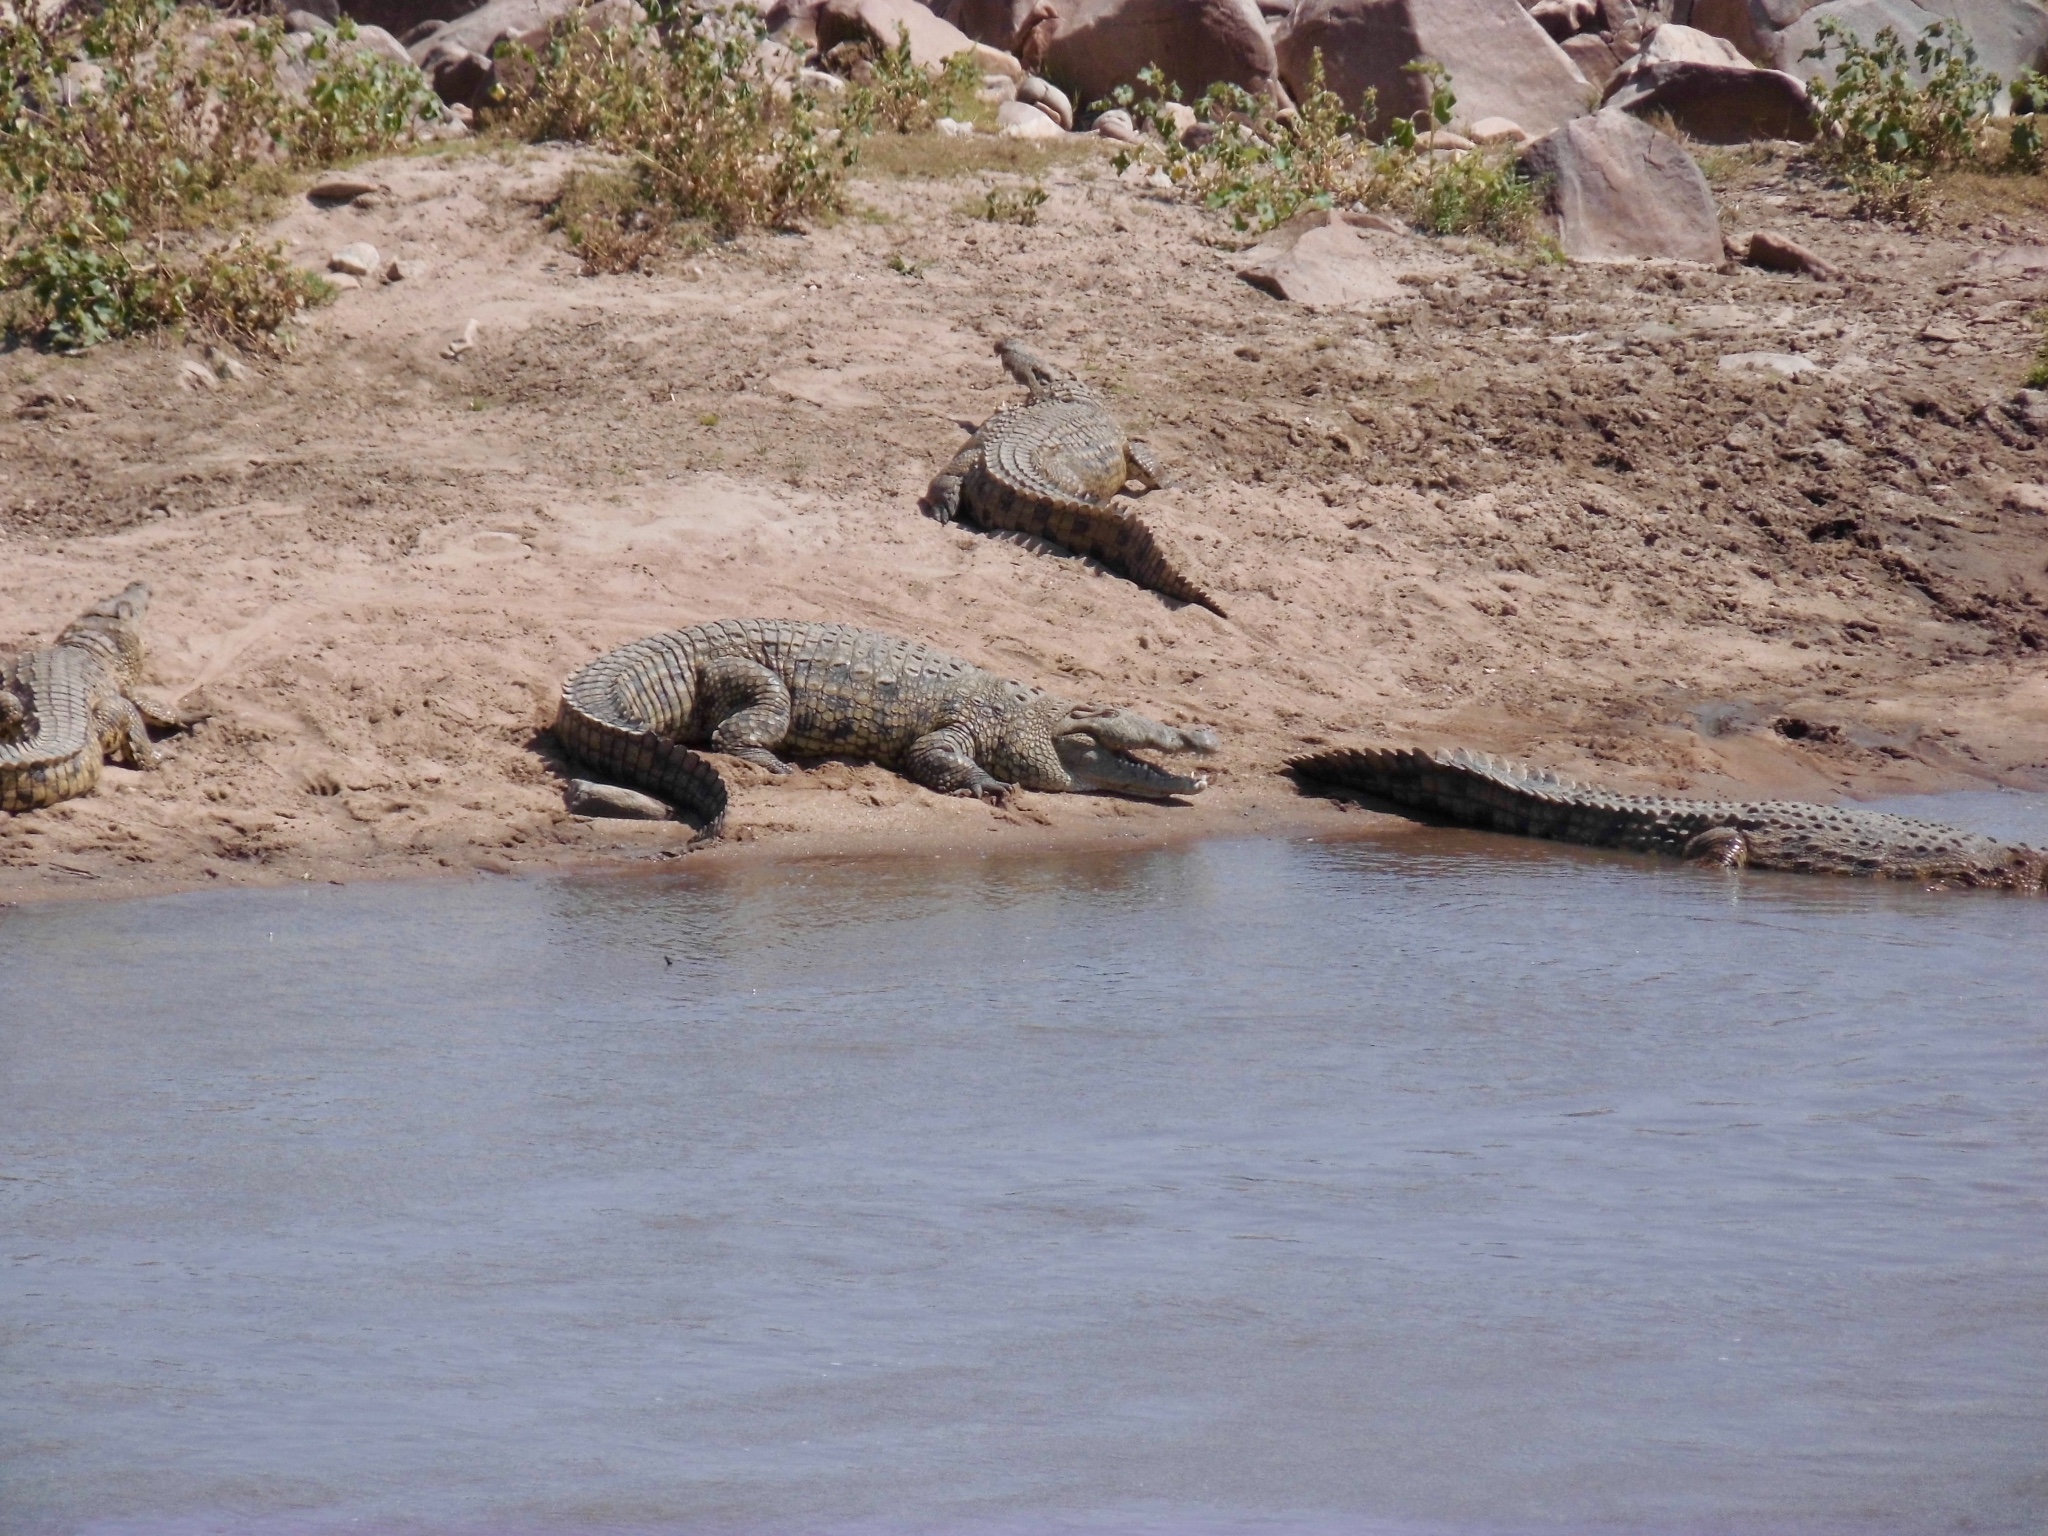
(685, 100)
(1262, 166)
(1001, 205)
(897, 93)
(1874, 114)
(126, 126)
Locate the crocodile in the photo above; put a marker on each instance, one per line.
(1051, 467)
(750, 688)
(66, 707)
(1477, 790)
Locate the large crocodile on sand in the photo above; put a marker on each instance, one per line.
(1052, 467)
(65, 708)
(753, 687)
(1476, 790)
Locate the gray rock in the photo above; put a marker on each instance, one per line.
(1502, 64)
(1618, 189)
(1116, 124)
(1780, 253)
(1787, 365)
(1018, 120)
(1048, 98)
(1321, 259)
(1090, 47)
(586, 798)
(356, 260)
(1710, 90)
(2030, 406)
(885, 22)
(339, 189)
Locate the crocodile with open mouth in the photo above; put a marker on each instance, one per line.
(753, 688)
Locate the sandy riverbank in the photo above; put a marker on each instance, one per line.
(1525, 509)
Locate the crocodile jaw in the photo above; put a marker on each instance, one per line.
(1097, 746)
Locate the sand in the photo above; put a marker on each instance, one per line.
(1524, 507)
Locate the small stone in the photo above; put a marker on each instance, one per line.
(1499, 130)
(1941, 330)
(357, 260)
(2031, 407)
(1044, 94)
(1778, 253)
(193, 374)
(1787, 365)
(1116, 125)
(399, 271)
(953, 128)
(344, 282)
(226, 366)
(339, 189)
(821, 81)
(2027, 497)
(588, 799)
(1018, 120)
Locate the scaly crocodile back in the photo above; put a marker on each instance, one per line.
(58, 720)
(1477, 790)
(1053, 466)
(851, 690)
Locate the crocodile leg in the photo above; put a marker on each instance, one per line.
(942, 496)
(944, 761)
(122, 735)
(748, 707)
(1145, 466)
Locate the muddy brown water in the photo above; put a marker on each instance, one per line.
(1440, 1184)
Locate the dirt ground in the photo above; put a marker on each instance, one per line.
(1528, 508)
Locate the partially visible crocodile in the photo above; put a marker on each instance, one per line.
(1490, 792)
(1052, 467)
(753, 687)
(65, 708)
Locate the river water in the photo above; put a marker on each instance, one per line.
(1441, 1184)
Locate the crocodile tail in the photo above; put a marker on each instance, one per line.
(1468, 788)
(595, 726)
(1123, 542)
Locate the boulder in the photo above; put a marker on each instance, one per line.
(1708, 89)
(2009, 35)
(395, 16)
(1501, 63)
(998, 23)
(1499, 130)
(1321, 259)
(1048, 98)
(885, 23)
(1594, 55)
(1019, 120)
(1618, 189)
(484, 28)
(1090, 47)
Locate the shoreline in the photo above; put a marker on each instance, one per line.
(1306, 814)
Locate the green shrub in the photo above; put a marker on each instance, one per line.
(897, 93)
(1004, 205)
(1874, 113)
(686, 103)
(128, 126)
(1261, 166)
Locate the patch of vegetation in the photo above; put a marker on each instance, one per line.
(892, 91)
(1893, 114)
(1011, 205)
(2037, 376)
(1262, 165)
(685, 100)
(129, 127)
(608, 221)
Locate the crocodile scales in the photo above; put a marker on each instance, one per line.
(1052, 467)
(1477, 790)
(752, 687)
(66, 707)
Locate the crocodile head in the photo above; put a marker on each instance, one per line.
(1097, 744)
(1041, 377)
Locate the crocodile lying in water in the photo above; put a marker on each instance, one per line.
(65, 708)
(751, 687)
(1052, 467)
(1490, 792)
